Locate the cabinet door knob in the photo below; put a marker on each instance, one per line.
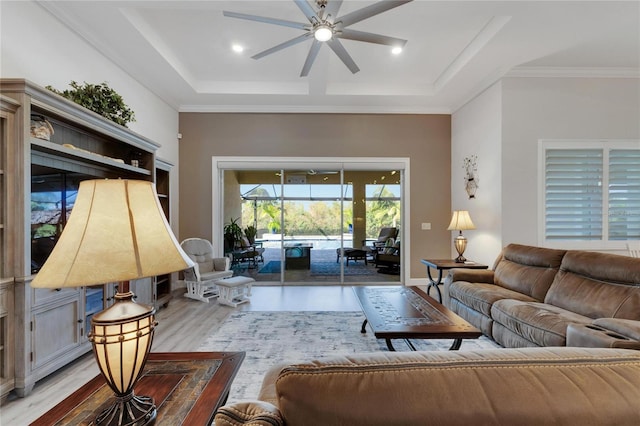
(80, 321)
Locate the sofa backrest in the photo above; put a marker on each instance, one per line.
(533, 386)
(527, 270)
(597, 285)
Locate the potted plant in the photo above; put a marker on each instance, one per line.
(99, 98)
(232, 234)
(250, 232)
(274, 226)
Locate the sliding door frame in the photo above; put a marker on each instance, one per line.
(221, 163)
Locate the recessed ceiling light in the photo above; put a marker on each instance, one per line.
(396, 50)
(237, 48)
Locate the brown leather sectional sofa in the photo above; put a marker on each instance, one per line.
(524, 387)
(551, 299)
(536, 296)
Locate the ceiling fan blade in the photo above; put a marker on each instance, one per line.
(339, 50)
(266, 20)
(369, 11)
(332, 9)
(313, 53)
(370, 37)
(307, 9)
(281, 46)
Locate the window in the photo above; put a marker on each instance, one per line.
(591, 193)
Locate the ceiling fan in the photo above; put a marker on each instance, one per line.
(325, 26)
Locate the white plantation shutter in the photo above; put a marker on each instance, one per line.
(573, 194)
(624, 194)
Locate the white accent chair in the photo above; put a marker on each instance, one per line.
(201, 278)
(634, 249)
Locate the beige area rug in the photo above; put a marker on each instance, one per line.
(269, 338)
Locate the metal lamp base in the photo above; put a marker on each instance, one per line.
(461, 244)
(129, 410)
(121, 336)
(460, 259)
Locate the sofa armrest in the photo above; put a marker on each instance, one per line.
(253, 413)
(628, 328)
(471, 275)
(605, 333)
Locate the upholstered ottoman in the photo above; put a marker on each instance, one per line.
(234, 290)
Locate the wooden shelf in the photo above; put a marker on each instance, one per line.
(54, 148)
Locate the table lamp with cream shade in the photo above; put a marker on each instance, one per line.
(460, 221)
(117, 232)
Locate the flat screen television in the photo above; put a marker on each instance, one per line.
(53, 194)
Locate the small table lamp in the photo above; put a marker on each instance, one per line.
(117, 231)
(460, 221)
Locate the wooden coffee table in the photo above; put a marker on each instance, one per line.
(187, 387)
(400, 312)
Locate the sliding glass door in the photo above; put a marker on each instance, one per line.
(312, 225)
(313, 229)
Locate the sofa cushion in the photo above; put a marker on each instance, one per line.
(528, 270)
(480, 297)
(541, 324)
(509, 339)
(597, 285)
(482, 322)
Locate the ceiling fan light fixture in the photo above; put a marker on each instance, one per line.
(396, 50)
(323, 33)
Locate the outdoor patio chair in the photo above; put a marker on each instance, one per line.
(379, 244)
(388, 259)
(253, 253)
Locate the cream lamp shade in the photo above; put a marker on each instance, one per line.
(116, 232)
(460, 221)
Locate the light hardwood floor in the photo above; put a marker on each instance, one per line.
(182, 325)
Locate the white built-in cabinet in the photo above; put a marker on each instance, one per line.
(42, 330)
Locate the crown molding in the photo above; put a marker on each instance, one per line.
(574, 72)
(314, 109)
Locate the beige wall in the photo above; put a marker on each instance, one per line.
(425, 139)
(476, 129)
(555, 108)
(503, 126)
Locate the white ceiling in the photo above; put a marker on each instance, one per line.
(181, 50)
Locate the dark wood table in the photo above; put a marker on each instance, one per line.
(400, 312)
(444, 265)
(297, 255)
(187, 387)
